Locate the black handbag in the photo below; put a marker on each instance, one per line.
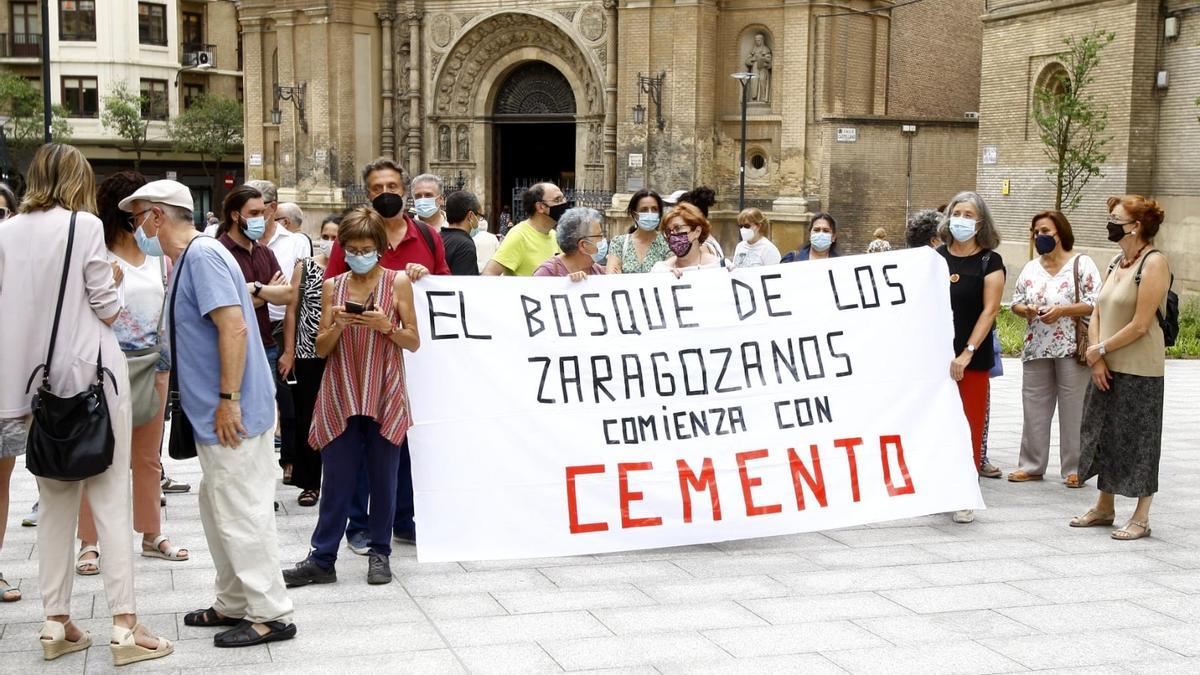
(182, 443)
(70, 438)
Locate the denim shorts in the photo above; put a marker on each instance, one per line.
(13, 433)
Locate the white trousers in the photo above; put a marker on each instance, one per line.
(237, 509)
(109, 496)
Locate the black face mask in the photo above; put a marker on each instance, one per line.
(1116, 231)
(558, 210)
(388, 204)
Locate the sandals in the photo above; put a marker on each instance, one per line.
(8, 592)
(1073, 481)
(126, 650)
(989, 470)
(244, 634)
(55, 643)
(287, 474)
(308, 498)
(1021, 476)
(1124, 534)
(206, 618)
(170, 486)
(80, 563)
(154, 550)
(1093, 518)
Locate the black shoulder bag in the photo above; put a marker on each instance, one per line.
(182, 443)
(69, 438)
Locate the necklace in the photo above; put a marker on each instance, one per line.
(1125, 264)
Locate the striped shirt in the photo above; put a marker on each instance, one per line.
(364, 375)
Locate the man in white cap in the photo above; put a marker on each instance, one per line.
(232, 413)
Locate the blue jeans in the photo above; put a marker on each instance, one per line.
(359, 450)
(403, 524)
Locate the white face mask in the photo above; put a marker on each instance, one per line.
(747, 233)
(326, 247)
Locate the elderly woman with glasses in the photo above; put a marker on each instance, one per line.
(581, 237)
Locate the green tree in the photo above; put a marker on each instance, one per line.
(122, 115)
(21, 103)
(211, 128)
(1070, 123)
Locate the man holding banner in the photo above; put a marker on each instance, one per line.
(680, 411)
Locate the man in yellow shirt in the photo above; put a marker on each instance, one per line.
(531, 242)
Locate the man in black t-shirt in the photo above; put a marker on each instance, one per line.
(462, 216)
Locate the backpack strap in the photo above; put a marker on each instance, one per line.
(1137, 278)
(427, 235)
(1113, 265)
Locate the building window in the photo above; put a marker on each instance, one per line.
(26, 30)
(152, 24)
(193, 31)
(154, 99)
(191, 94)
(77, 20)
(81, 97)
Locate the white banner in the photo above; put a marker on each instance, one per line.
(642, 411)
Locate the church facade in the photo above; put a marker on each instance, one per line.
(865, 108)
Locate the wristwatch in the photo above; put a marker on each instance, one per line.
(1103, 351)
(231, 395)
(257, 287)
(970, 348)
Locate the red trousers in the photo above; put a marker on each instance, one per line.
(973, 389)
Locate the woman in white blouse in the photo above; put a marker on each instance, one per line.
(1054, 292)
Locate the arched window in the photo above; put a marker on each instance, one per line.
(1052, 82)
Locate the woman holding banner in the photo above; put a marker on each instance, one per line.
(1122, 412)
(581, 238)
(362, 413)
(644, 246)
(686, 229)
(976, 284)
(822, 240)
(1054, 292)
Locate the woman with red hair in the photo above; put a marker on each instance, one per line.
(686, 229)
(1121, 437)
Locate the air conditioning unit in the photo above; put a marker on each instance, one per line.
(971, 115)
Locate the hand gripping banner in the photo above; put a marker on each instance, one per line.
(644, 411)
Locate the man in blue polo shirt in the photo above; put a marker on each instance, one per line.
(228, 394)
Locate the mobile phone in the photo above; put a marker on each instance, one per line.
(354, 307)
(291, 378)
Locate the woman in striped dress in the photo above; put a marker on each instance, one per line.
(362, 413)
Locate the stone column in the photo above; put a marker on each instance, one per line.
(414, 93)
(387, 137)
(610, 99)
(289, 127)
(253, 88)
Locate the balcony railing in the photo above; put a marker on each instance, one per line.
(199, 55)
(21, 45)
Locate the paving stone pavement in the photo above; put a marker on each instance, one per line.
(1015, 591)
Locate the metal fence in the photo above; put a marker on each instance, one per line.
(597, 199)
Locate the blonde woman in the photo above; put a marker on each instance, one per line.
(880, 243)
(32, 250)
(755, 250)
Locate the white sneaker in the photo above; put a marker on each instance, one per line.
(964, 516)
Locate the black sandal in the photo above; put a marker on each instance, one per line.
(207, 618)
(244, 634)
(308, 498)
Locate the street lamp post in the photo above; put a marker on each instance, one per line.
(47, 113)
(744, 80)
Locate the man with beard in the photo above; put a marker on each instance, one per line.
(531, 242)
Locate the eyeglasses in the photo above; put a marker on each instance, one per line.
(360, 252)
(133, 219)
(1121, 223)
(561, 200)
(3, 212)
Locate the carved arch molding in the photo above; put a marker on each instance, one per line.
(459, 80)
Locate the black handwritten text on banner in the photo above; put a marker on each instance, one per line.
(642, 411)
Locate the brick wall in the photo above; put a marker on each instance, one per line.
(935, 55)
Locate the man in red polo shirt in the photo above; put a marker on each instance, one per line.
(417, 249)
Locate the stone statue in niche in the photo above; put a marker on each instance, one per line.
(444, 143)
(464, 142)
(758, 61)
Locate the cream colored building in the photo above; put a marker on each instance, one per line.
(503, 93)
(154, 46)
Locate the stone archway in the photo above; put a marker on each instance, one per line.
(472, 74)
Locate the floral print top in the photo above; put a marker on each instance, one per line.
(623, 247)
(1036, 287)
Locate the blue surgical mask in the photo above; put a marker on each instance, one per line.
(426, 206)
(255, 227)
(362, 264)
(148, 245)
(820, 241)
(648, 221)
(961, 228)
(601, 250)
